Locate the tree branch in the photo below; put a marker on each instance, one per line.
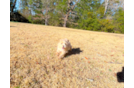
(75, 4)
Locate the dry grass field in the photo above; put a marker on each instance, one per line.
(93, 63)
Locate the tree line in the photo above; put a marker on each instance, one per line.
(95, 15)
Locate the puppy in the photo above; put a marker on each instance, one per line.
(63, 47)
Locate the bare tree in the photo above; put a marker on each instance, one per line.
(44, 10)
(70, 8)
(12, 4)
(122, 3)
(113, 5)
(106, 6)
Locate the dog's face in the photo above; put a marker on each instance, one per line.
(63, 44)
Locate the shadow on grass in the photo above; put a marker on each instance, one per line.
(74, 51)
(127, 75)
(120, 77)
(12, 26)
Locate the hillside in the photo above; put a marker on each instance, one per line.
(93, 63)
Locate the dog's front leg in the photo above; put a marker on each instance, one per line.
(58, 53)
(62, 54)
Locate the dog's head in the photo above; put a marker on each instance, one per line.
(64, 43)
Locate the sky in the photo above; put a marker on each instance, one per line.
(17, 4)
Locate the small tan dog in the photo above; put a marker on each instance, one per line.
(63, 47)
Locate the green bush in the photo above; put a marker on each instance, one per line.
(119, 20)
(106, 25)
(30, 19)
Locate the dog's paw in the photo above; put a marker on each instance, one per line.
(61, 57)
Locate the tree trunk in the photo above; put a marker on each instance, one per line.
(123, 5)
(13, 5)
(66, 18)
(46, 20)
(106, 5)
(65, 21)
(67, 15)
(46, 17)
